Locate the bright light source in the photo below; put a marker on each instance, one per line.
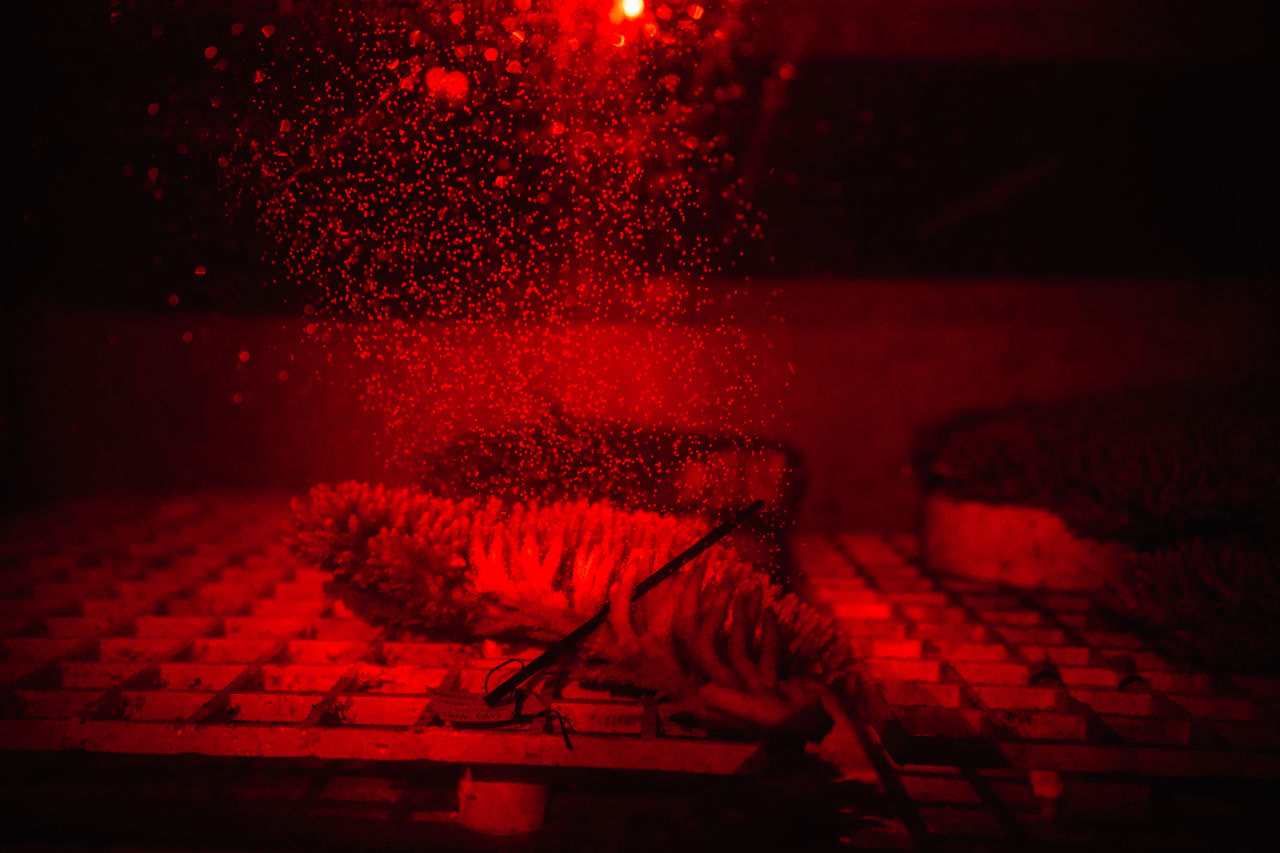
(632, 8)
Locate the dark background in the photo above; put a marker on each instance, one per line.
(1069, 141)
(968, 203)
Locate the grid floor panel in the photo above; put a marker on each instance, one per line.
(183, 625)
(1084, 720)
(987, 715)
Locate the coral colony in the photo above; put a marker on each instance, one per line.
(522, 169)
(719, 640)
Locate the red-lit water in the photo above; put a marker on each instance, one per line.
(502, 208)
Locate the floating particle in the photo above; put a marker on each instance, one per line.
(524, 169)
(455, 86)
(244, 355)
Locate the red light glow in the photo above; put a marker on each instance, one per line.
(493, 164)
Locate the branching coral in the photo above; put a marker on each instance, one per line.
(1148, 469)
(1217, 602)
(663, 469)
(718, 638)
(1189, 480)
(566, 457)
(363, 534)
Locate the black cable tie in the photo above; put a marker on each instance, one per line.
(488, 674)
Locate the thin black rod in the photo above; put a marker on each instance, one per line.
(577, 635)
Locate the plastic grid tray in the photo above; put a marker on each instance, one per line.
(186, 628)
(995, 708)
(179, 627)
